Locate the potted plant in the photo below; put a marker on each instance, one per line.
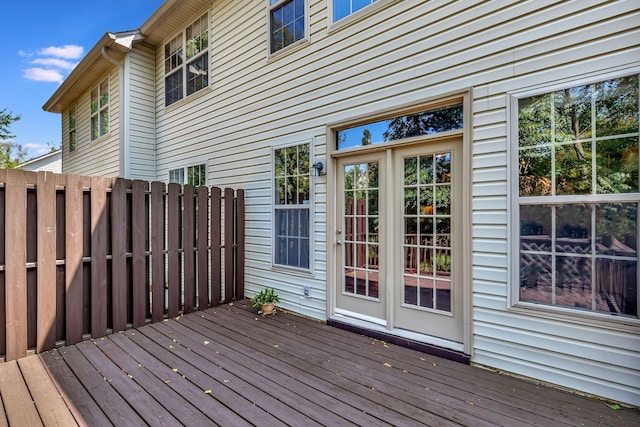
(266, 299)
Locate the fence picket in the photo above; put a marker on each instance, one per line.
(15, 265)
(73, 259)
(119, 253)
(188, 242)
(46, 298)
(216, 250)
(140, 273)
(173, 246)
(203, 254)
(229, 240)
(98, 256)
(157, 251)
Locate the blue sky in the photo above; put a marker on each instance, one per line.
(41, 43)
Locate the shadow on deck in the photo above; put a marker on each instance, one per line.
(231, 367)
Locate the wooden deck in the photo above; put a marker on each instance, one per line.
(228, 366)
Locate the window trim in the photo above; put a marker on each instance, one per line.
(97, 114)
(296, 44)
(185, 62)
(547, 311)
(72, 130)
(310, 207)
(185, 171)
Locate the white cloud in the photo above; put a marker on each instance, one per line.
(68, 51)
(43, 75)
(52, 63)
(36, 150)
(55, 63)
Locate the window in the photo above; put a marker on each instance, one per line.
(196, 175)
(186, 62)
(578, 197)
(100, 110)
(287, 23)
(400, 127)
(291, 206)
(344, 8)
(73, 138)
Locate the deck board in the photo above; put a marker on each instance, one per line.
(229, 366)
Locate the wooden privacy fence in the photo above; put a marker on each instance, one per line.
(86, 256)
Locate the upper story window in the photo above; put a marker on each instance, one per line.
(287, 22)
(100, 110)
(344, 8)
(400, 127)
(186, 61)
(578, 197)
(292, 207)
(196, 175)
(73, 136)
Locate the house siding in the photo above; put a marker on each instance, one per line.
(101, 156)
(401, 54)
(139, 138)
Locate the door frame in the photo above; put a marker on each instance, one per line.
(332, 193)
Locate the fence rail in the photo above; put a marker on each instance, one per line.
(83, 256)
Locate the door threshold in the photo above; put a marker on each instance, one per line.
(400, 337)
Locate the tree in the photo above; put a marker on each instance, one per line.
(11, 154)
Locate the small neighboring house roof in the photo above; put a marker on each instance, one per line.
(46, 162)
(167, 19)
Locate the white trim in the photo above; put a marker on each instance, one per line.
(551, 311)
(296, 44)
(310, 206)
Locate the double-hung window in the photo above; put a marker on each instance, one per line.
(186, 61)
(196, 175)
(100, 110)
(73, 136)
(578, 196)
(344, 8)
(292, 207)
(287, 22)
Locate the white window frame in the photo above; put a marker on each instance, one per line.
(309, 206)
(97, 115)
(183, 173)
(276, 5)
(186, 64)
(72, 132)
(551, 311)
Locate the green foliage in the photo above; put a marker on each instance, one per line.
(265, 296)
(11, 154)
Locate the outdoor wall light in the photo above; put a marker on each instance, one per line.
(319, 168)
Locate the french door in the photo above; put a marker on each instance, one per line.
(399, 218)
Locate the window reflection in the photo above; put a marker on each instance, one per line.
(424, 123)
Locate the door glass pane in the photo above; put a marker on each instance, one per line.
(361, 229)
(427, 227)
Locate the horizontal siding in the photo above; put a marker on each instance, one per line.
(99, 157)
(140, 137)
(399, 55)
